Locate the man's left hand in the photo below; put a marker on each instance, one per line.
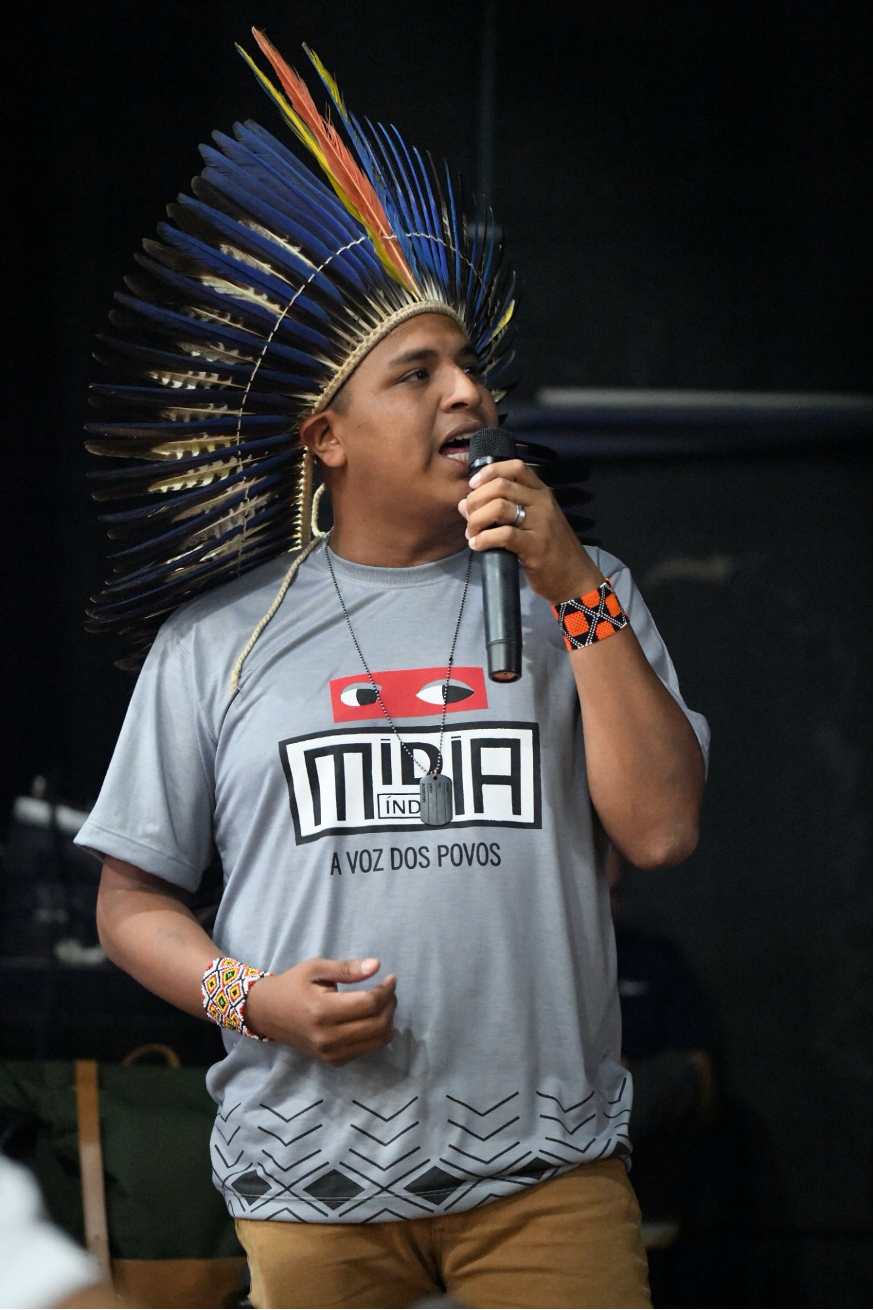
(556, 565)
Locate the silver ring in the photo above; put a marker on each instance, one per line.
(520, 516)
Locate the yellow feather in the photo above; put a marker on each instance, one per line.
(297, 125)
(305, 134)
(505, 319)
(329, 81)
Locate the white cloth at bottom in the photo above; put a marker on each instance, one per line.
(39, 1264)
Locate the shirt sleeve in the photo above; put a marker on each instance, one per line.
(650, 639)
(156, 806)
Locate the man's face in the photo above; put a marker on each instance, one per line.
(399, 429)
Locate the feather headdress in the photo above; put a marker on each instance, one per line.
(261, 295)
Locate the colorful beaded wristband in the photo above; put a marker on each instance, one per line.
(591, 618)
(224, 989)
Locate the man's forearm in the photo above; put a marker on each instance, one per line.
(644, 764)
(149, 933)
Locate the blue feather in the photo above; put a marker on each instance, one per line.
(269, 247)
(358, 264)
(152, 572)
(184, 558)
(163, 599)
(246, 315)
(162, 397)
(280, 257)
(185, 502)
(297, 208)
(250, 313)
(405, 205)
(454, 238)
(225, 264)
(155, 543)
(191, 329)
(288, 193)
(292, 172)
(148, 359)
(300, 225)
(436, 223)
(160, 431)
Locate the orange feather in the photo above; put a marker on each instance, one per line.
(347, 178)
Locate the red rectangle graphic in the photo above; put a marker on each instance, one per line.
(407, 693)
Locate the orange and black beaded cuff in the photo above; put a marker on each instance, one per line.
(590, 618)
(224, 989)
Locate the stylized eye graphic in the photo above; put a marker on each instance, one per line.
(359, 693)
(456, 690)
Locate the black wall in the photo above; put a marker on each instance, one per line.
(736, 558)
(683, 189)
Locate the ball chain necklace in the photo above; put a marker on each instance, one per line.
(435, 788)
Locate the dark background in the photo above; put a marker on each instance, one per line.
(684, 190)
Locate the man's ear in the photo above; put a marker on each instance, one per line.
(318, 434)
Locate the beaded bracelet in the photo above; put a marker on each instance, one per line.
(590, 618)
(224, 989)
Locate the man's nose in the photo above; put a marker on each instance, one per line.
(463, 390)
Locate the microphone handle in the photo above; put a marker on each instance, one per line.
(503, 616)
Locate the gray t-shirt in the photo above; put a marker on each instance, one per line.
(504, 1067)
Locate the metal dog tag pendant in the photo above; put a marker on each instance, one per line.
(435, 800)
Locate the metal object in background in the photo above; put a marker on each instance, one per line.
(64, 998)
(48, 891)
(632, 422)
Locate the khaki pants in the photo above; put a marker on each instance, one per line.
(571, 1242)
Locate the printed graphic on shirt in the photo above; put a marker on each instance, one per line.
(395, 1167)
(362, 781)
(407, 693)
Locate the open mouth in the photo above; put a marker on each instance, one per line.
(456, 449)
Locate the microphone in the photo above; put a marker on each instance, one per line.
(500, 572)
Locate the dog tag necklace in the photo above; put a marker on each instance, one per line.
(435, 788)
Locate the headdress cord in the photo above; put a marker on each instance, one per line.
(314, 541)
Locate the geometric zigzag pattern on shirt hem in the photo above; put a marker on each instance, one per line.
(388, 1177)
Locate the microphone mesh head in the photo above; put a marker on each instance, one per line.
(491, 443)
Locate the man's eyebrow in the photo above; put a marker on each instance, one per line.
(428, 352)
(411, 356)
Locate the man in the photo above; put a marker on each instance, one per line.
(440, 1102)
